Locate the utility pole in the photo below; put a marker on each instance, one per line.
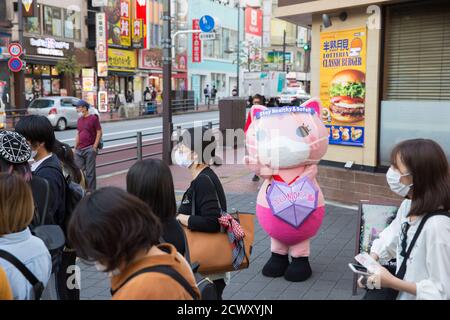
(238, 69)
(284, 51)
(20, 76)
(167, 84)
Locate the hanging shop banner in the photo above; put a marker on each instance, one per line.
(119, 25)
(102, 69)
(101, 46)
(253, 32)
(122, 60)
(137, 34)
(343, 85)
(102, 101)
(141, 14)
(196, 43)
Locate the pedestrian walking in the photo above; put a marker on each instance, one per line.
(234, 92)
(418, 237)
(257, 99)
(205, 193)
(147, 94)
(207, 94)
(70, 170)
(152, 182)
(213, 94)
(126, 246)
(86, 143)
(16, 214)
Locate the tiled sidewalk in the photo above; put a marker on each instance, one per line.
(331, 250)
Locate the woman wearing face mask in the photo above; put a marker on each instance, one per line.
(420, 173)
(205, 192)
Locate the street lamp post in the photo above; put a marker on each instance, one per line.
(167, 84)
(238, 69)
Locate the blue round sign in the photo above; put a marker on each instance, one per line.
(206, 23)
(15, 64)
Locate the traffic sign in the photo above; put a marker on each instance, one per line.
(15, 64)
(207, 36)
(15, 49)
(206, 23)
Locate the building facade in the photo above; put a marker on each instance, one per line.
(218, 66)
(405, 46)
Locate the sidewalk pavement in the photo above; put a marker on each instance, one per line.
(331, 250)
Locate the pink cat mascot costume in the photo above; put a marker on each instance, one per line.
(284, 146)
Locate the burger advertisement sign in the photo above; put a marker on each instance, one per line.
(343, 85)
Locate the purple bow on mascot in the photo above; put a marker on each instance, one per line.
(284, 146)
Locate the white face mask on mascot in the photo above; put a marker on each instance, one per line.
(292, 144)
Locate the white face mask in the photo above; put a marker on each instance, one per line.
(80, 114)
(102, 268)
(182, 159)
(393, 178)
(33, 154)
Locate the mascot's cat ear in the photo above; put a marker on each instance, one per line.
(252, 114)
(314, 104)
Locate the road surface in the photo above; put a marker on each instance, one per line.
(120, 151)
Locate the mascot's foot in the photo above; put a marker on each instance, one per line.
(276, 266)
(299, 270)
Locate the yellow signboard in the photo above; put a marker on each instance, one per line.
(118, 13)
(122, 60)
(343, 85)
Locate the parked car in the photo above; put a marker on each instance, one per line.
(293, 96)
(59, 110)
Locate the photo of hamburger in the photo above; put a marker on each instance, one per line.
(347, 94)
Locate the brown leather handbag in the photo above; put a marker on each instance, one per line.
(213, 251)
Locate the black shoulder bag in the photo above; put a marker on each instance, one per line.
(389, 293)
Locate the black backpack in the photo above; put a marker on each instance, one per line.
(74, 193)
(38, 286)
(51, 234)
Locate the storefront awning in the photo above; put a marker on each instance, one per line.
(122, 73)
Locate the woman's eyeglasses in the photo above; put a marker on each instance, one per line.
(403, 238)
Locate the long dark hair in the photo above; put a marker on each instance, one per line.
(112, 227)
(428, 165)
(203, 142)
(65, 155)
(151, 181)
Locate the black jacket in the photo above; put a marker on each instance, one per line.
(207, 208)
(51, 170)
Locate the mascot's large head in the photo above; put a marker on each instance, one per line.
(286, 137)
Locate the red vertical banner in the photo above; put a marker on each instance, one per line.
(253, 21)
(196, 43)
(141, 14)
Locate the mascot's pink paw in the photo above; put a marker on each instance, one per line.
(299, 270)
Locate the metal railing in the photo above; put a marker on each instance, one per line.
(139, 146)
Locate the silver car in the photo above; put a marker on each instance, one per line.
(293, 96)
(59, 110)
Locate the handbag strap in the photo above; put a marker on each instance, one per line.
(215, 190)
(38, 286)
(402, 271)
(168, 271)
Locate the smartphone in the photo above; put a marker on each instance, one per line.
(359, 269)
(367, 261)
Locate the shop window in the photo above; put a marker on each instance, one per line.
(55, 71)
(45, 70)
(37, 70)
(33, 24)
(56, 86)
(46, 86)
(72, 24)
(53, 23)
